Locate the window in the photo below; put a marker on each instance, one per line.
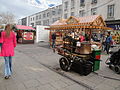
(82, 13)
(54, 19)
(53, 12)
(94, 1)
(48, 14)
(59, 11)
(66, 6)
(36, 17)
(93, 11)
(32, 24)
(72, 13)
(38, 23)
(47, 22)
(44, 22)
(82, 2)
(33, 18)
(39, 16)
(58, 18)
(44, 15)
(65, 16)
(72, 4)
(110, 12)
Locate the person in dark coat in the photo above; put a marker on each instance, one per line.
(53, 40)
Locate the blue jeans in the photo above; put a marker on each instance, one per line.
(8, 65)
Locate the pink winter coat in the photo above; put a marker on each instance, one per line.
(8, 44)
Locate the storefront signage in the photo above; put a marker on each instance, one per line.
(114, 26)
(28, 36)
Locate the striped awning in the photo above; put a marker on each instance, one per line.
(22, 27)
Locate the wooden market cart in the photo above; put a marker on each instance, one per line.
(73, 56)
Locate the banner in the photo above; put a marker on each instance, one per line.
(28, 36)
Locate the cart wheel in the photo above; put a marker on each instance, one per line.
(110, 66)
(117, 69)
(64, 64)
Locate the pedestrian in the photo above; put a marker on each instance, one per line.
(53, 40)
(108, 42)
(0, 38)
(8, 40)
(17, 37)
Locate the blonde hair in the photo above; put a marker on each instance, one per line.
(8, 29)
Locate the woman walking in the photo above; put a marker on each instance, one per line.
(8, 40)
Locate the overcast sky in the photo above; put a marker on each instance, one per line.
(23, 8)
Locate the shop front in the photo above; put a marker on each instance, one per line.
(115, 24)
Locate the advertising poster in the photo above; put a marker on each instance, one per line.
(28, 36)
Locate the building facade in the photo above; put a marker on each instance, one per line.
(24, 21)
(108, 9)
(45, 18)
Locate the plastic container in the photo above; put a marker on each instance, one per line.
(96, 65)
(96, 54)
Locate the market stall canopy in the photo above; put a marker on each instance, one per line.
(22, 27)
(92, 22)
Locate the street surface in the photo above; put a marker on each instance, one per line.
(36, 67)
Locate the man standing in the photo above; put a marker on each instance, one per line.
(108, 42)
(53, 39)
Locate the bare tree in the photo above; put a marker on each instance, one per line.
(7, 18)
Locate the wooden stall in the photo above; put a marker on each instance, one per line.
(87, 25)
(25, 34)
(77, 54)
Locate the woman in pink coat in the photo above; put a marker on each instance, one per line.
(8, 40)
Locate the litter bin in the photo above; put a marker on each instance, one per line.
(96, 65)
(96, 54)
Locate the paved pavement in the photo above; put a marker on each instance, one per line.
(36, 67)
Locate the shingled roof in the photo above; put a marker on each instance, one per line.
(93, 20)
